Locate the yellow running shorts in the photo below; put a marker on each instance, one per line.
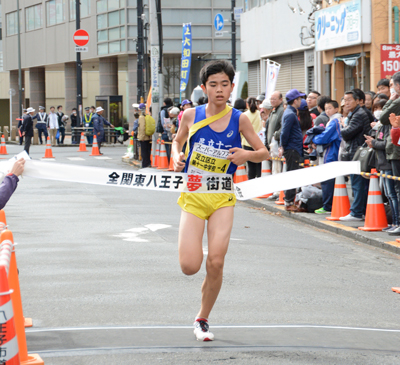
(202, 205)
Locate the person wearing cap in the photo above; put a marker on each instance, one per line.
(265, 111)
(291, 142)
(27, 128)
(41, 124)
(19, 127)
(143, 138)
(52, 123)
(259, 99)
(98, 126)
(88, 124)
(186, 104)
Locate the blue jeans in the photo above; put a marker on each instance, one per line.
(165, 138)
(328, 187)
(360, 191)
(390, 192)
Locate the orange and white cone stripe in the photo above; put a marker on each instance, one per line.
(341, 202)
(375, 217)
(8, 337)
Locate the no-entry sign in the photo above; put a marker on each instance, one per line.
(81, 37)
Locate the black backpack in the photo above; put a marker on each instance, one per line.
(160, 128)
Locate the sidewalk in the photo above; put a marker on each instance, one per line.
(348, 229)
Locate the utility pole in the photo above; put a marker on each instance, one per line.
(160, 45)
(78, 64)
(19, 67)
(140, 51)
(233, 23)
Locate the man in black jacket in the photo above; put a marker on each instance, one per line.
(74, 124)
(358, 126)
(27, 128)
(361, 95)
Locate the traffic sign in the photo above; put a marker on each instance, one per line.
(81, 49)
(81, 37)
(219, 34)
(238, 12)
(218, 22)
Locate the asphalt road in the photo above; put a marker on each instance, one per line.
(100, 278)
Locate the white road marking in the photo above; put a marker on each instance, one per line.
(76, 158)
(103, 158)
(156, 227)
(205, 250)
(133, 233)
(47, 159)
(27, 330)
(236, 239)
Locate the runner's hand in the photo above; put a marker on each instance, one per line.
(238, 156)
(18, 167)
(179, 165)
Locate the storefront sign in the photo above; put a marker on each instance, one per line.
(186, 55)
(338, 26)
(390, 60)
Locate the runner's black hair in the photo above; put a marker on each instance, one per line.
(216, 67)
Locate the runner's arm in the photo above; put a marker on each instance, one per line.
(180, 139)
(238, 155)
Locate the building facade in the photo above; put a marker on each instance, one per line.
(110, 65)
(270, 30)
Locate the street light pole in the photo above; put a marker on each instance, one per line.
(140, 51)
(78, 64)
(19, 65)
(233, 23)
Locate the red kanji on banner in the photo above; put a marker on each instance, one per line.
(194, 182)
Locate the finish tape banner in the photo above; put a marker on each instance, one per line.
(180, 182)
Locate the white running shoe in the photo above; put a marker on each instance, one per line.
(201, 330)
(350, 218)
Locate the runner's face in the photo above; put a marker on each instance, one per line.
(218, 88)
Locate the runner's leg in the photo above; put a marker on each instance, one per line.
(219, 231)
(191, 230)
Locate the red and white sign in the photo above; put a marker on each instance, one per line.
(81, 37)
(390, 60)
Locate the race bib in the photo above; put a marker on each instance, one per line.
(208, 159)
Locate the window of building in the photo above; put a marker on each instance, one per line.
(112, 19)
(55, 10)
(85, 8)
(33, 17)
(109, 5)
(12, 23)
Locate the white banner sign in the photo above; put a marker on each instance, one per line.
(180, 182)
(155, 86)
(271, 77)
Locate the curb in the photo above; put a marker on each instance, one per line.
(330, 226)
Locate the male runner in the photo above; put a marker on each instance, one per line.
(223, 139)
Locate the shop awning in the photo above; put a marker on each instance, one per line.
(350, 60)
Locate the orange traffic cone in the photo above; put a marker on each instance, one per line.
(3, 220)
(171, 162)
(82, 144)
(3, 148)
(281, 200)
(396, 290)
(49, 151)
(341, 202)
(306, 163)
(153, 153)
(375, 218)
(9, 348)
(95, 147)
(16, 306)
(163, 160)
(265, 171)
(13, 282)
(240, 174)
